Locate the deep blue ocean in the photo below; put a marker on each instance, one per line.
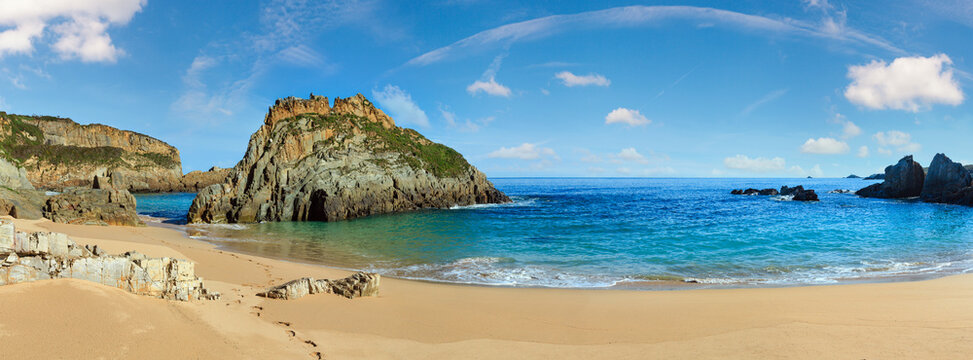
(597, 233)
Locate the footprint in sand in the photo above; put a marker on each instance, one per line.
(317, 355)
(284, 323)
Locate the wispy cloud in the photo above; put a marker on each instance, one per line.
(525, 151)
(488, 83)
(637, 16)
(285, 28)
(771, 96)
(569, 79)
(467, 125)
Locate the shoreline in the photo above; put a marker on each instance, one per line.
(415, 319)
(632, 284)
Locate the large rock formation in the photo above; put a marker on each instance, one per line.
(357, 285)
(40, 256)
(946, 181)
(17, 196)
(197, 180)
(58, 153)
(311, 161)
(104, 206)
(902, 180)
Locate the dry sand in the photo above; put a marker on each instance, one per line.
(418, 320)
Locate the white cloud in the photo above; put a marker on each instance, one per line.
(863, 151)
(490, 87)
(626, 116)
(488, 83)
(760, 164)
(569, 79)
(630, 154)
(908, 83)
(640, 16)
(400, 106)
(902, 141)
(824, 146)
(850, 130)
(525, 151)
(79, 28)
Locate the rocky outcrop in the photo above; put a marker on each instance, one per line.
(798, 193)
(42, 255)
(106, 206)
(58, 153)
(312, 161)
(357, 285)
(13, 176)
(946, 181)
(902, 180)
(17, 196)
(752, 191)
(853, 176)
(874, 177)
(198, 180)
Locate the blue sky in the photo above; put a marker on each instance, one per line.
(566, 88)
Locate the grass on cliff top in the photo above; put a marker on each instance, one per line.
(24, 141)
(413, 148)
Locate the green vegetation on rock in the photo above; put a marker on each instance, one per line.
(23, 141)
(413, 148)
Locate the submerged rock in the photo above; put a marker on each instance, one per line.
(357, 285)
(946, 182)
(44, 255)
(841, 191)
(311, 161)
(93, 207)
(902, 180)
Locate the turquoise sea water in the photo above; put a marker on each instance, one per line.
(627, 232)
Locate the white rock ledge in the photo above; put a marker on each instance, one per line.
(46, 255)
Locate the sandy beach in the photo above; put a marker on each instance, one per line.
(412, 319)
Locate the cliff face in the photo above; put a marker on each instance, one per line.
(197, 180)
(59, 153)
(313, 161)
